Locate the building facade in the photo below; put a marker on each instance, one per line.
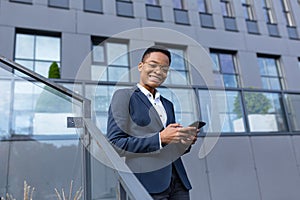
(235, 66)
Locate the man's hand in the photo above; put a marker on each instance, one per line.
(175, 133)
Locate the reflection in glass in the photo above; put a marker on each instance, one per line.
(265, 112)
(224, 67)
(47, 48)
(4, 106)
(117, 54)
(220, 108)
(270, 74)
(185, 104)
(45, 165)
(24, 46)
(202, 6)
(293, 110)
(37, 52)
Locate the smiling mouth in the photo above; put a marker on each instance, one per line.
(155, 78)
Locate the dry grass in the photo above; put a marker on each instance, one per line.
(28, 193)
(62, 196)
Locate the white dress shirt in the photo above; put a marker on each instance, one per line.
(157, 104)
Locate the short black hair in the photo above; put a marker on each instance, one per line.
(157, 48)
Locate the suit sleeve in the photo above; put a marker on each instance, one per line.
(119, 129)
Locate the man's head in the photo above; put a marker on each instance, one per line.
(157, 48)
(154, 67)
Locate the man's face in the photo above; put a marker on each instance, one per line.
(153, 70)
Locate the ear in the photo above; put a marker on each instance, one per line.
(140, 66)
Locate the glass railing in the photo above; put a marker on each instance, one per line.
(47, 138)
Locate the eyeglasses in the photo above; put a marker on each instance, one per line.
(164, 69)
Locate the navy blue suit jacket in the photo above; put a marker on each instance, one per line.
(133, 129)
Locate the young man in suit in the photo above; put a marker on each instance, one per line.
(142, 127)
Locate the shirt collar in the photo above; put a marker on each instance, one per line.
(147, 93)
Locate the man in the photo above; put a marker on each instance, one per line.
(142, 127)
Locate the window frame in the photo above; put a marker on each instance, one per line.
(269, 12)
(279, 71)
(35, 34)
(220, 72)
(287, 12)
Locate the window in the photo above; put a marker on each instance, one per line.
(266, 108)
(202, 6)
(268, 12)
(288, 12)
(228, 16)
(153, 10)
(93, 6)
(124, 8)
(180, 14)
(226, 8)
(59, 3)
(293, 110)
(37, 51)
(185, 104)
(252, 26)
(205, 16)
(179, 4)
(178, 73)
(248, 10)
(110, 60)
(152, 2)
(22, 1)
(222, 110)
(225, 68)
(270, 72)
(291, 26)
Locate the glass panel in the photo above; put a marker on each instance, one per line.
(100, 95)
(98, 53)
(24, 46)
(99, 73)
(230, 80)
(227, 63)
(270, 83)
(184, 101)
(152, 2)
(154, 13)
(202, 6)
(264, 112)
(215, 59)
(293, 110)
(222, 110)
(93, 5)
(206, 20)
(118, 74)
(47, 48)
(25, 63)
(44, 165)
(5, 107)
(124, 8)
(59, 3)
(43, 68)
(177, 4)
(178, 60)
(117, 54)
(177, 77)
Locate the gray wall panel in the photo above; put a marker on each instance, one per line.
(231, 170)
(7, 40)
(197, 173)
(72, 60)
(276, 168)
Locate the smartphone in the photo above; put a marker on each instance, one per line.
(197, 124)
